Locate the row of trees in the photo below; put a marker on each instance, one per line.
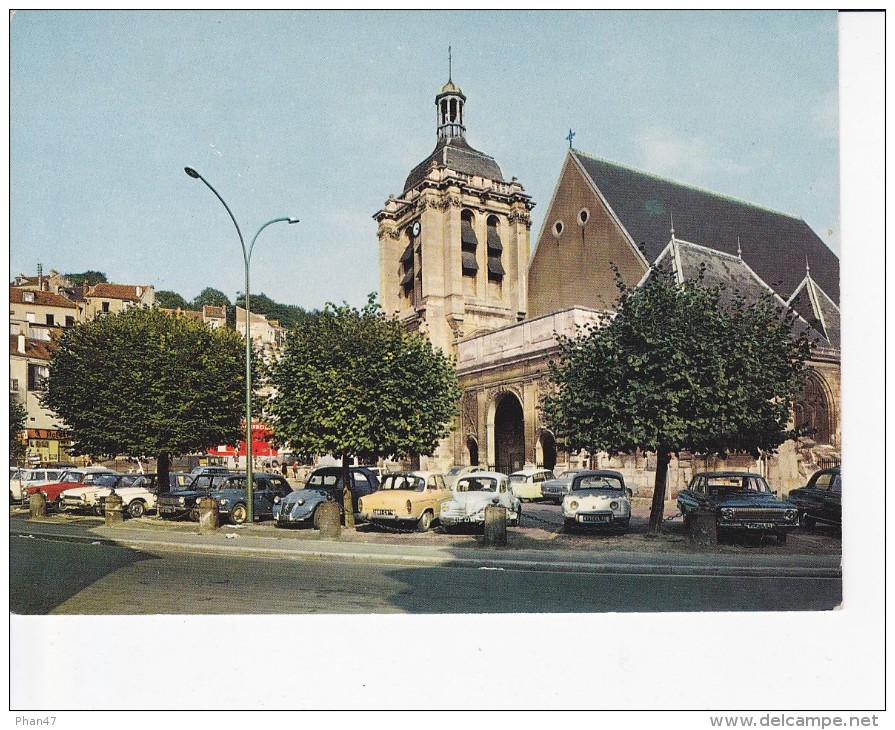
(675, 367)
(288, 315)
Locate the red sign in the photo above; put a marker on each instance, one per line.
(260, 445)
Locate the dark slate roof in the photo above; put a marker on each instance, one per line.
(731, 272)
(818, 309)
(775, 245)
(456, 154)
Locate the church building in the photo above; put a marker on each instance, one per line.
(455, 264)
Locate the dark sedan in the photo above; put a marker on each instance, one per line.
(741, 503)
(185, 501)
(821, 499)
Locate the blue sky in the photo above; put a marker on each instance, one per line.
(321, 115)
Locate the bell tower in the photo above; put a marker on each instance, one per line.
(454, 246)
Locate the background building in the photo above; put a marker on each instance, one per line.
(439, 278)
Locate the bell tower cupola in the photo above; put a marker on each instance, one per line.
(449, 102)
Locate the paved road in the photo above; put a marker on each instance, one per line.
(55, 576)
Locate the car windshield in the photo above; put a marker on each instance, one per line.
(721, 483)
(519, 478)
(71, 477)
(404, 481)
(598, 481)
(477, 484)
(105, 480)
(567, 476)
(322, 480)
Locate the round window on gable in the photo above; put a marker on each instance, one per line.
(583, 216)
(558, 228)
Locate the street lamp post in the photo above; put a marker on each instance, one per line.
(247, 258)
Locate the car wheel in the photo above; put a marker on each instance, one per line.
(518, 520)
(238, 514)
(781, 537)
(316, 518)
(137, 508)
(688, 519)
(425, 522)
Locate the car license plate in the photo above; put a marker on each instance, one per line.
(759, 525)
(594, 518)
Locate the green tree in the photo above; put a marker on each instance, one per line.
(170, 300)
(678, 367)
(143, 383)
(17, 418)
(88, 277)
(355, 383)
(211, 298)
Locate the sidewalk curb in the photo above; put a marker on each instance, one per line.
(484, 562)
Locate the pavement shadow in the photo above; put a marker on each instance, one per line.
(45, 573)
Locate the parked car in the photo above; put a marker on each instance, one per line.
(230, 494)
(197, 470)
(741, 503)
(82, 476)
(526, 484)
(597, 499)
(22, 478)
(472, 493)
(821, 499)
(554, 490)
(141, 496)
(184, 502)
(83, 498)
(324, 485)
(457, 471)
(406, 499)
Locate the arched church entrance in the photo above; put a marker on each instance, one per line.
(509, 434)
(812, 411)
(546, 450)
(472, 449)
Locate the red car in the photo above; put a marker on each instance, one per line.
(79, 477)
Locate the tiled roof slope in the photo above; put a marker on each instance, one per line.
(731, 272)
(37, 349)
(817, 308)
(456, 154)
(43, 298)
(774, 244)
(114, 291)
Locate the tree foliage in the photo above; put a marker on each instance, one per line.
(17, 419)
(355, 383)
(679, 367)
(170, 300)
(288, 315)
(88, 277)
(144, 383)
(209, 297)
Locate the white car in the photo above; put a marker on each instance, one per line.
(141, 496)
(472, 493)
(597, 499)
(526, 484)
(84, 498)
(20, 479)
(458, 470)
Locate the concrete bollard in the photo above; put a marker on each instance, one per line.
(495, 526)
(327, 520)
(703, 529)
(37, 503)
(209, 515)
(114, 510)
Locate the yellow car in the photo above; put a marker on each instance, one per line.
(406, 499)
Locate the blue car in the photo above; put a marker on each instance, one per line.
(230, 494)
(324, 485)
(741, 503)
